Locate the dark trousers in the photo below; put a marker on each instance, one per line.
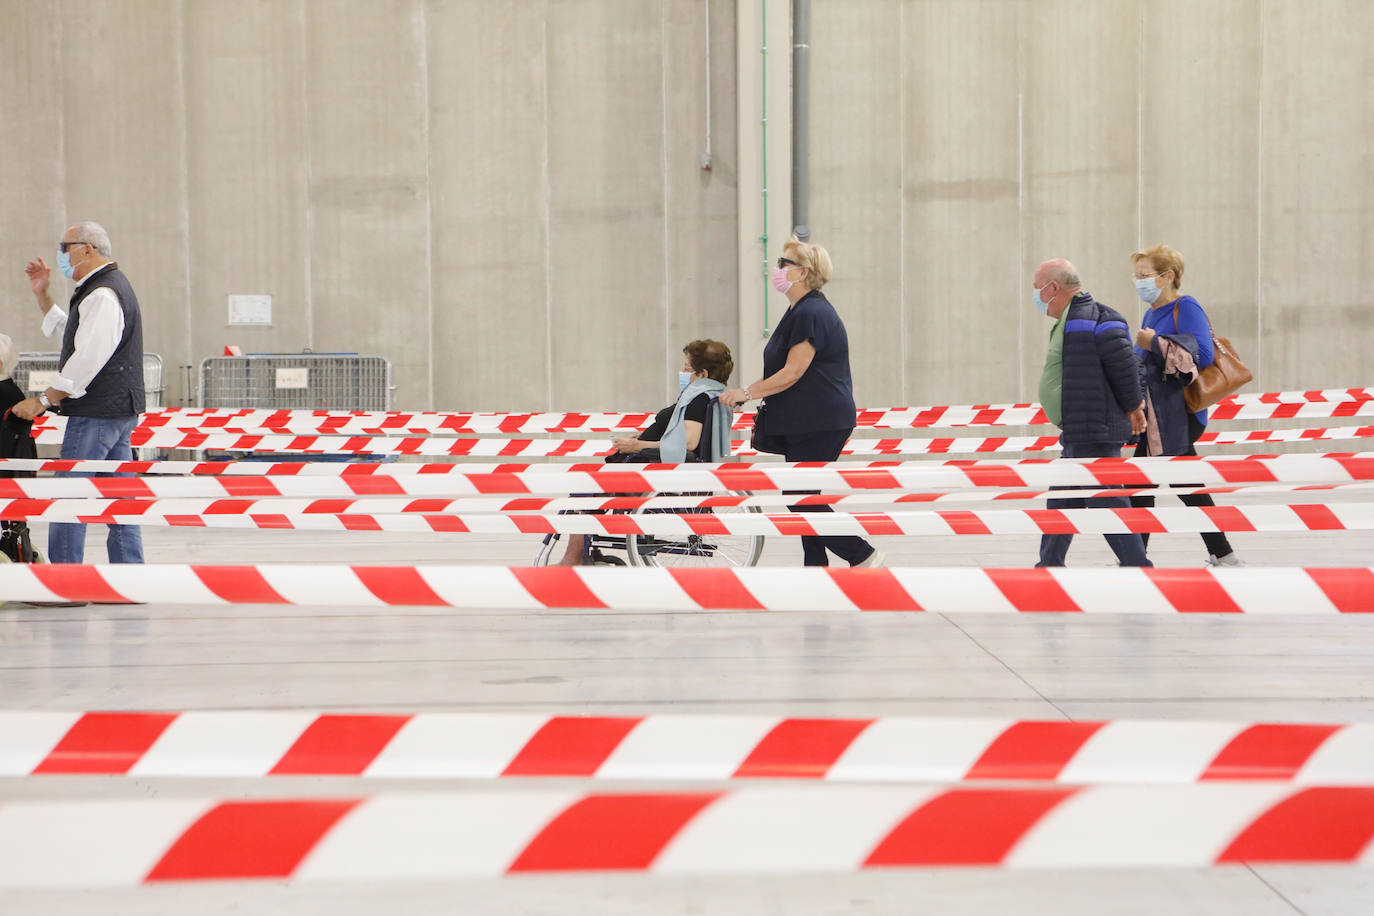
(824, 446)
(1129, 548)
(1217, 544)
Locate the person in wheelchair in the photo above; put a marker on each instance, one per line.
(696, 427)
(16, 441)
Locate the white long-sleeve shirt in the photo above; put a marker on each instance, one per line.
(97, 337)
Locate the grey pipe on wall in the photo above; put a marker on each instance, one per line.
(801, 124)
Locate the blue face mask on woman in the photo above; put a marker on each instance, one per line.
(683, 380)
(1147, 291)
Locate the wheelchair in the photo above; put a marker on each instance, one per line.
(687, 551)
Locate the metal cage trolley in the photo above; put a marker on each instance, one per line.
(297, 381)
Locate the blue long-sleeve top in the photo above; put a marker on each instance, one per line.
(1191, 320)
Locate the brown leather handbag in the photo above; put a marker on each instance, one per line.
(1223, 378)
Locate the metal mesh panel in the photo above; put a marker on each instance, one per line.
(29, 363)
(297, 381)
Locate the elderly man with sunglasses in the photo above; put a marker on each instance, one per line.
(99, 383)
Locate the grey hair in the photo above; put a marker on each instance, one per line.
(94, 234)
(6, 357)
(1065, 276)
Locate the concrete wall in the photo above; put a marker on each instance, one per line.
(504, 198)
(1011, 131)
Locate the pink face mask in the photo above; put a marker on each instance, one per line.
(780, 281)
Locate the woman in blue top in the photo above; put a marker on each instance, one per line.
(807, 385)
(1158, 276)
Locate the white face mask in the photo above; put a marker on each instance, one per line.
(1147, 291)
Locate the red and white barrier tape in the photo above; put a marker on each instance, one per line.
(752, 830)
(956, 590)
(482, 746)
(288, 515)
(305, 442)
(560, 480)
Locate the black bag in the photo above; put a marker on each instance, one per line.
(762, 440)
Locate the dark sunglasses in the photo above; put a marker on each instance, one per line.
(783, 264)
(63, 246)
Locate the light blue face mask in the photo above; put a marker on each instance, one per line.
(1147, 291)
(64, 264)
(1041, 305)
(683, 380)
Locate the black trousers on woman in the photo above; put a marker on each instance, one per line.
(1217, 544)
(823, 446)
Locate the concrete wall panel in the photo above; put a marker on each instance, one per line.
(488, 173)
(964, 291)
(1317, 241)
(856, 183)
(368, 144)
(247, 170)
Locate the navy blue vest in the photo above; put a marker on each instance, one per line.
(117, 389)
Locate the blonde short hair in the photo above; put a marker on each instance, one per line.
(1162, 258)
(814, 258)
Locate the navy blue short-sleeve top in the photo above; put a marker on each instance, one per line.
(822, 400)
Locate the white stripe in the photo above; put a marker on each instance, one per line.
(1114, 591)
(809, 589)
(788, 829)
(27, 738)
(1345, 758)
(1150, 752)
(629, 588)
(1273, 590)
(686, 747)
(1133, 827)
(493, 587)
(430, 836)
(455, 746)
(910, 750)
(222, 744)
(89, 843)
(171, 584)
(953, 590)
(303, 585)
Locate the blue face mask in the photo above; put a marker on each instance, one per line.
(1147, 291)
(1041, 305)
(683, 380)
(64, 264)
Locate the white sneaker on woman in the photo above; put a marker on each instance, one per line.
(1229, 560)
(874, 559)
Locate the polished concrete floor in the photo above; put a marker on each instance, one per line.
(1032, 666)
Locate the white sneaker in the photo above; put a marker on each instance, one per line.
(874, 560)
(1229, 560)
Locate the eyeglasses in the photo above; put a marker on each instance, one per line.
(783, 264)
(64, 246)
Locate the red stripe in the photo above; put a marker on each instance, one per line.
(248, 486)
(398, 585)
(373, 485)
(966, 827)
(1244, 471)
(1032, 590)
(74, 582)
(570, 746)
(239, 584)
(793, 525)
(338, 745)
(716, 589)
(1140, 521)
(249, 839)
(122, 487)
(1052, 521)
(801, 748)
(1228, 518)
(963, 522)
(1321, 824)
(600, 832)
(555, 587)
(1192, 591)
(105, 742)
(869, 479)
(532, 524)
(272, 521)
(1033, 750)
(1350, 590)
(874, 590)
(1268, 752)
(497, 483)
(993, 476)
(340, 506)
(1318, 518)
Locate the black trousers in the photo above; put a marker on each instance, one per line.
(823, 446)
(1217, 544)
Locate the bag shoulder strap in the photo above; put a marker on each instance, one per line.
(1205, 317)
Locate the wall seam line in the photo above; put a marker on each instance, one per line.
(308, 125)
(185, 191)
(664, 177)
(546, 193)
(423, 23)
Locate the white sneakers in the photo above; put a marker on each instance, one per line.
(1229, 560)
(874, 559)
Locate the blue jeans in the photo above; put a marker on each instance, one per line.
(1129, 548)
(97, 438)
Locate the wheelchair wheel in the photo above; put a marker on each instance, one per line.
(697, 550)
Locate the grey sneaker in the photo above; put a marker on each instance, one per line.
(1229, 560)
(873, 560)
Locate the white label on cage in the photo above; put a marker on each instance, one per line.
(41, 379)
(250, 309)
(293, 378)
